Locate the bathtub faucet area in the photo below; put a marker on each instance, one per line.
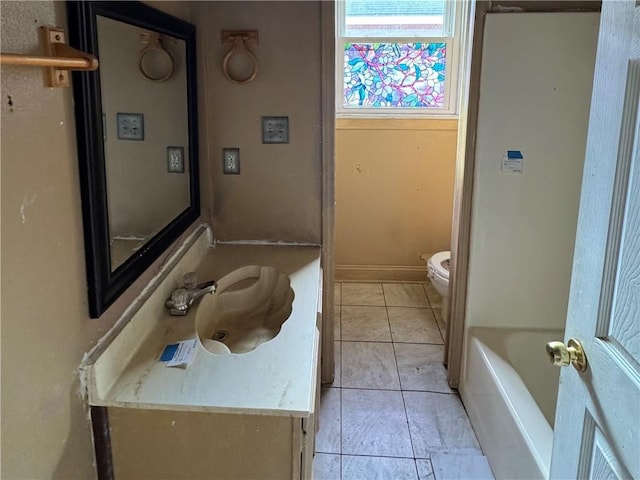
(182, 298)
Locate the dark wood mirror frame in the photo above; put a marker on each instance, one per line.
(105, 285)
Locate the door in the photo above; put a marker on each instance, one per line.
(597, 425)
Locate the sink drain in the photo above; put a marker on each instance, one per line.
(220, 336)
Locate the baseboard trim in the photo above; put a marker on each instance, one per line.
(379, 273)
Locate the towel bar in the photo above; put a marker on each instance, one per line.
(59, 58)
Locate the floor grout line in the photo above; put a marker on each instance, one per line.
(404, 404)
(384, 297)
(430, 463)
(390, 341)
(374, 456)
(453, 392)
(370, 283)
(392, 306)
(434, 316)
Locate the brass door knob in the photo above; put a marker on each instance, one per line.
(562, 355)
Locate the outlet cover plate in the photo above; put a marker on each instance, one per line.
(175, 159)
(275, 129)
(231, 161)
(130, 126)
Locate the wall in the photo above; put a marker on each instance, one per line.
(143, 197)
(46, 328)
(523, 225)
(277, 195)
(394, 195)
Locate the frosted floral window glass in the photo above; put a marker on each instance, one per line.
(394, 74)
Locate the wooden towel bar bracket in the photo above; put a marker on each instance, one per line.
(58, 59)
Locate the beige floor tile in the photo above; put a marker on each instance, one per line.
(374, 423)
(337, 322)
(405, 295)
(425, 470)
(328, 435)
(369, 365)
(435, 299)
(439, 424)
(326, 466)
(378, 468)
(414, 325)
(362, 294)
(470, 467)
(365, 324)
(420, 367)
(337, 293)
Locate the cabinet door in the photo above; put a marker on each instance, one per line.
(152, 444)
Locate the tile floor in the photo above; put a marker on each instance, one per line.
(390, 413)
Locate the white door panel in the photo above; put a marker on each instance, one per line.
(597, 428)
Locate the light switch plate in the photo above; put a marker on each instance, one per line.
(130, 126)
(175, 159)
(231, 161)
(275, 129)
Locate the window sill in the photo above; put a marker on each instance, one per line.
(391, 123)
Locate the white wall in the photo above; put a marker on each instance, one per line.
(535, 93)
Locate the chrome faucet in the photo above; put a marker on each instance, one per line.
(182, 298)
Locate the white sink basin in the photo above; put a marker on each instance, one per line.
(248, 309)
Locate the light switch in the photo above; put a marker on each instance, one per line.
(175, 159)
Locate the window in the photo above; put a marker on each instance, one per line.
(397, 56)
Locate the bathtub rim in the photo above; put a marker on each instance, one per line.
(535, 433)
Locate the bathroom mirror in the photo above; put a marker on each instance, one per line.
(137, 139)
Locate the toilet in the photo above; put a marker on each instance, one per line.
(438, 266)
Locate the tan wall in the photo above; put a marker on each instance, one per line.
(46, 328)
(277, 195)
(394, 194)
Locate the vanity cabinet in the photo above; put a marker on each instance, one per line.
(156, 444)
(227, 416)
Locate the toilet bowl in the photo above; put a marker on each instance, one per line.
(438, 266)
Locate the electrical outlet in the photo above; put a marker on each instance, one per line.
(231, 161)
(275, 129)
(175, 159)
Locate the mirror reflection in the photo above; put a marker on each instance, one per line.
(143, 81)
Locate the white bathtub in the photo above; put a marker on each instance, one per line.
(509, 389)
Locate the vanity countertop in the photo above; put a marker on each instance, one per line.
(277, 378)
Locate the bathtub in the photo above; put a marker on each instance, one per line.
(509, 389)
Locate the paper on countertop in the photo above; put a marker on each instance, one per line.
(179, 354)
